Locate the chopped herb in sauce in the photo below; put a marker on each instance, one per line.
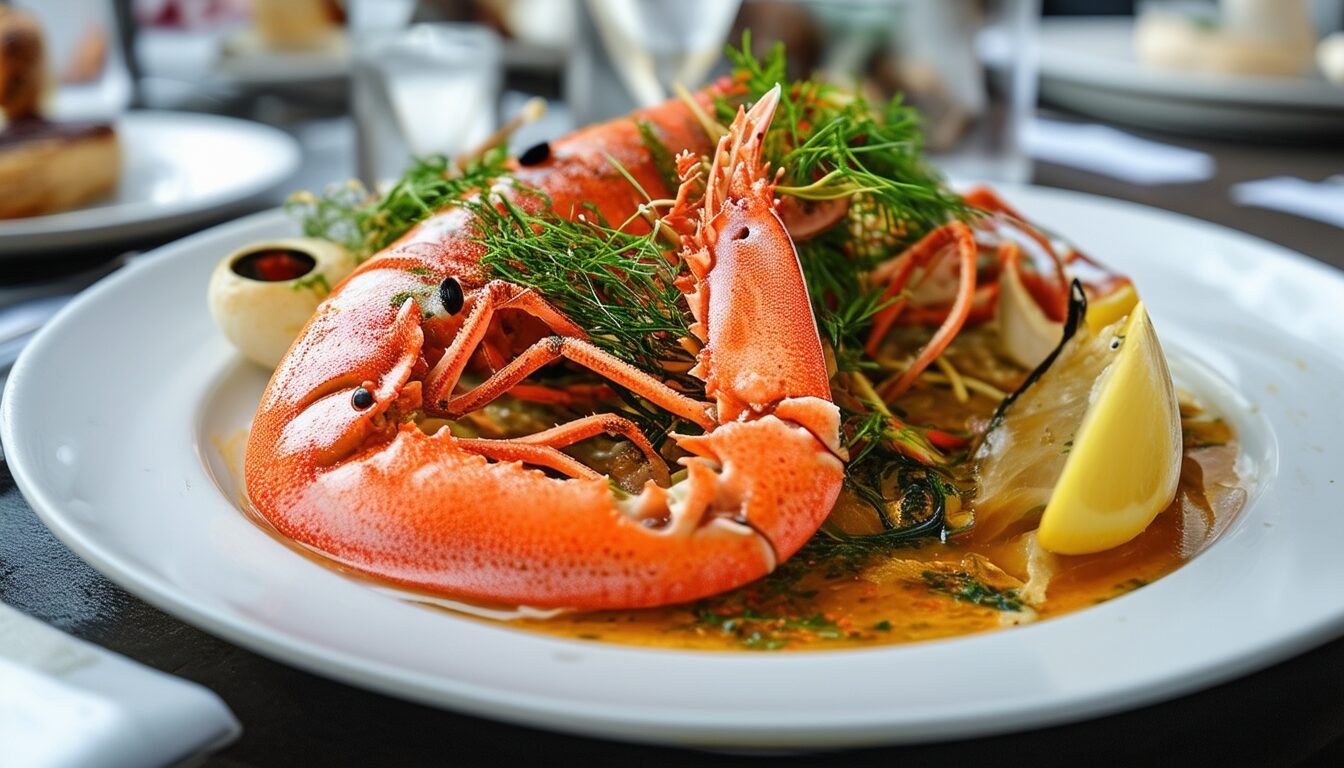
(316, 282)
(760, 631)
(960, 585)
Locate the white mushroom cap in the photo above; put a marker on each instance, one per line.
(262, 318)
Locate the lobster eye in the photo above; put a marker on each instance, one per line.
(535, 155)
(450, 293)
(362, 399)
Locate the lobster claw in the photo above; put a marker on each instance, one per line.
(347, 411)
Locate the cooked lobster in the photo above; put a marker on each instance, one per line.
(336, 461)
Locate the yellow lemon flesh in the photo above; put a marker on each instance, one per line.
(1105, 310)
(1125, 460)
(1093, 446)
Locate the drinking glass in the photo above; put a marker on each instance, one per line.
(988, 91)
(426, 89)
(84, 56)
(969, 66)
(633, 53)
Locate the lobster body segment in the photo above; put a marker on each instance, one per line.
(336, 461)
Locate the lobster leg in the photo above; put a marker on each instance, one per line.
(568, 343)
(494, 296)
(521, 449)
(896, 273)
(931, 247)
(571, 394)
(575, 350)
(988, 200)
(539, 455)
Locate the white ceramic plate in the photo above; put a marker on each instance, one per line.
(177, 169)
(1088, 64)
(245, 61)
(115, 414)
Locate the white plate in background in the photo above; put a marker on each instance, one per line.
(245, 61)
(1088, 64)
(178, 169)
(116, 415)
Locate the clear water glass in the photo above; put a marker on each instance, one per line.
(1003, 38)
(633, 53)
(970, 66)
(423, 90)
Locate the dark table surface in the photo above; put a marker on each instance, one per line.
(1289, 714)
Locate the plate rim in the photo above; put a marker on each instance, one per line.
(1304, 94)
(277, 67)
(548, 712)
(66, 230)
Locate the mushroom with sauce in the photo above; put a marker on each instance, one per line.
(262, 295)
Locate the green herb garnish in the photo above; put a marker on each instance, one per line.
(316, 282)
(960, 585)
(767, 631)
(833, 144)
(615, 285)
(365, 224)
(663, 158)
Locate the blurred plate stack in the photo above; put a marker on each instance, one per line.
(1089, 65)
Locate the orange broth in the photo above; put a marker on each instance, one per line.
(831, 598)
(834, 595)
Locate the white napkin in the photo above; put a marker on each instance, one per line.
(1320, 200)
(66, 703)
(1109, 152)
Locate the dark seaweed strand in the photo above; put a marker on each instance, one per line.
(918, 484)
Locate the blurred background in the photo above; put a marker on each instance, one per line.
(1122, 98)
(1229, 111)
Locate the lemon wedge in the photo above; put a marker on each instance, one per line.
(1093, 446)
(1125, 460)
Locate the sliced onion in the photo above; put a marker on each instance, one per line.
(1027, 334)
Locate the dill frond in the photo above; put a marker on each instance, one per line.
(663, 158)
(616, 285)
(364, 224)
(832, 144)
